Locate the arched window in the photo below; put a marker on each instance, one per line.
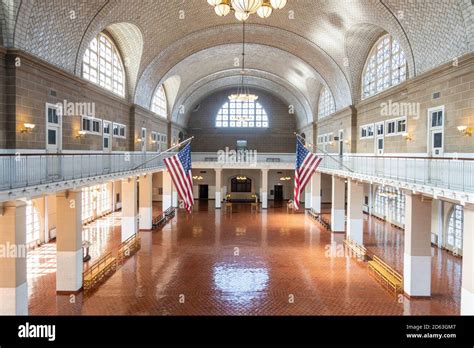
(103, 66)
(32, 223)
(455, 229)
(326, 103)
(239, 114)
(159, 104)
(385, 67)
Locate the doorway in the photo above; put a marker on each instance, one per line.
(341, 143)
(143, 140)
(53, 129)
(379, 138)
(204, 192)
(278, 193)
(436, 132)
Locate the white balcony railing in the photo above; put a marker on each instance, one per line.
(440, 173)
(260, 157)
(26, 170)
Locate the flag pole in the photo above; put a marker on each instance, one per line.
(323, 151)
(166, 151)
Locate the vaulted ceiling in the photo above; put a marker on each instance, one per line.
(185, 46)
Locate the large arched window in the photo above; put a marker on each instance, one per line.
(455, 229)
(326, 103)
(159, 104)
(385, 67)
(238, 114)
(103, 66)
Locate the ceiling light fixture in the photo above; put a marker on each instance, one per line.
(243, 94)
(244, 8)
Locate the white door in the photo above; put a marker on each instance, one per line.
(107, 140)
(436, 132)
(53, 128)
(379, 138)
(143, 140)
(341, 142)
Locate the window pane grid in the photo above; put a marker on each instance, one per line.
(242, 115)
(159, 105)
(326, 103)
(102, 65)
(386, 67)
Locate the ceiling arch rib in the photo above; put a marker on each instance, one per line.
(276, 38)
(288, 68)
(228, 79)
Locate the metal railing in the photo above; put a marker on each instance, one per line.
(261, 157)
(453, 174)
(26, 170)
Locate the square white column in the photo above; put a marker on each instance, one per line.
(264, 194)
(316, 192)
(417, 258)
(338, 204)
(129, 208)
(13, 281)
(355, 212)
(467, 284)
(307, 196)
(145, 198)
(218, 196)
(167, 189)
(69, 241)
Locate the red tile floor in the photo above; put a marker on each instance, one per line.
(270, 263)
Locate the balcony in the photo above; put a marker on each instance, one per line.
(23, 171)
(451, 178)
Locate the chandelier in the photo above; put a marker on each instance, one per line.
(241, 178)
(244, 8)
(243, 94)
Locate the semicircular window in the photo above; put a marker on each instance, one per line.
(239, 114)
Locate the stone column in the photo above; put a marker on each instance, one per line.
(417, 258)
(467, 284)
(129, 208)
(316, 192)
(218, 187)
(307, 196)
(338, 204)
(355, 212)
(264, 195)
(145, 196)
(167, 188)
(13, 283)
(69, 241)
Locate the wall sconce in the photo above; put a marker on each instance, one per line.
(347, 142)
(199, 178)
(81, 134)
(28, 127)
(139, 140)
(407, 136)
(465, 131)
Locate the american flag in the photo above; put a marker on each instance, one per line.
(306, 164)
(179, 167)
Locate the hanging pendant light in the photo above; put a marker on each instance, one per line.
(278, 4)
(246, 6)
(223, 8)
(213, 2)
(242, 16)
(265, 10)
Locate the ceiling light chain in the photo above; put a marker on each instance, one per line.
(244, 8)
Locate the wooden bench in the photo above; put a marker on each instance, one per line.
(105, 266)
(228, 207)
(386, 275)
(159, 221)
(128, 248)
(254, 207)
(359, 250)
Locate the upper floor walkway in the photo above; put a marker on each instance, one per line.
(24, 174)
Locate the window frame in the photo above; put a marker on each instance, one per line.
(120, 127)
(157, 108)
(326, 103)
(92, 122)
(110, 67)
(376, 67)
(226, 117)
